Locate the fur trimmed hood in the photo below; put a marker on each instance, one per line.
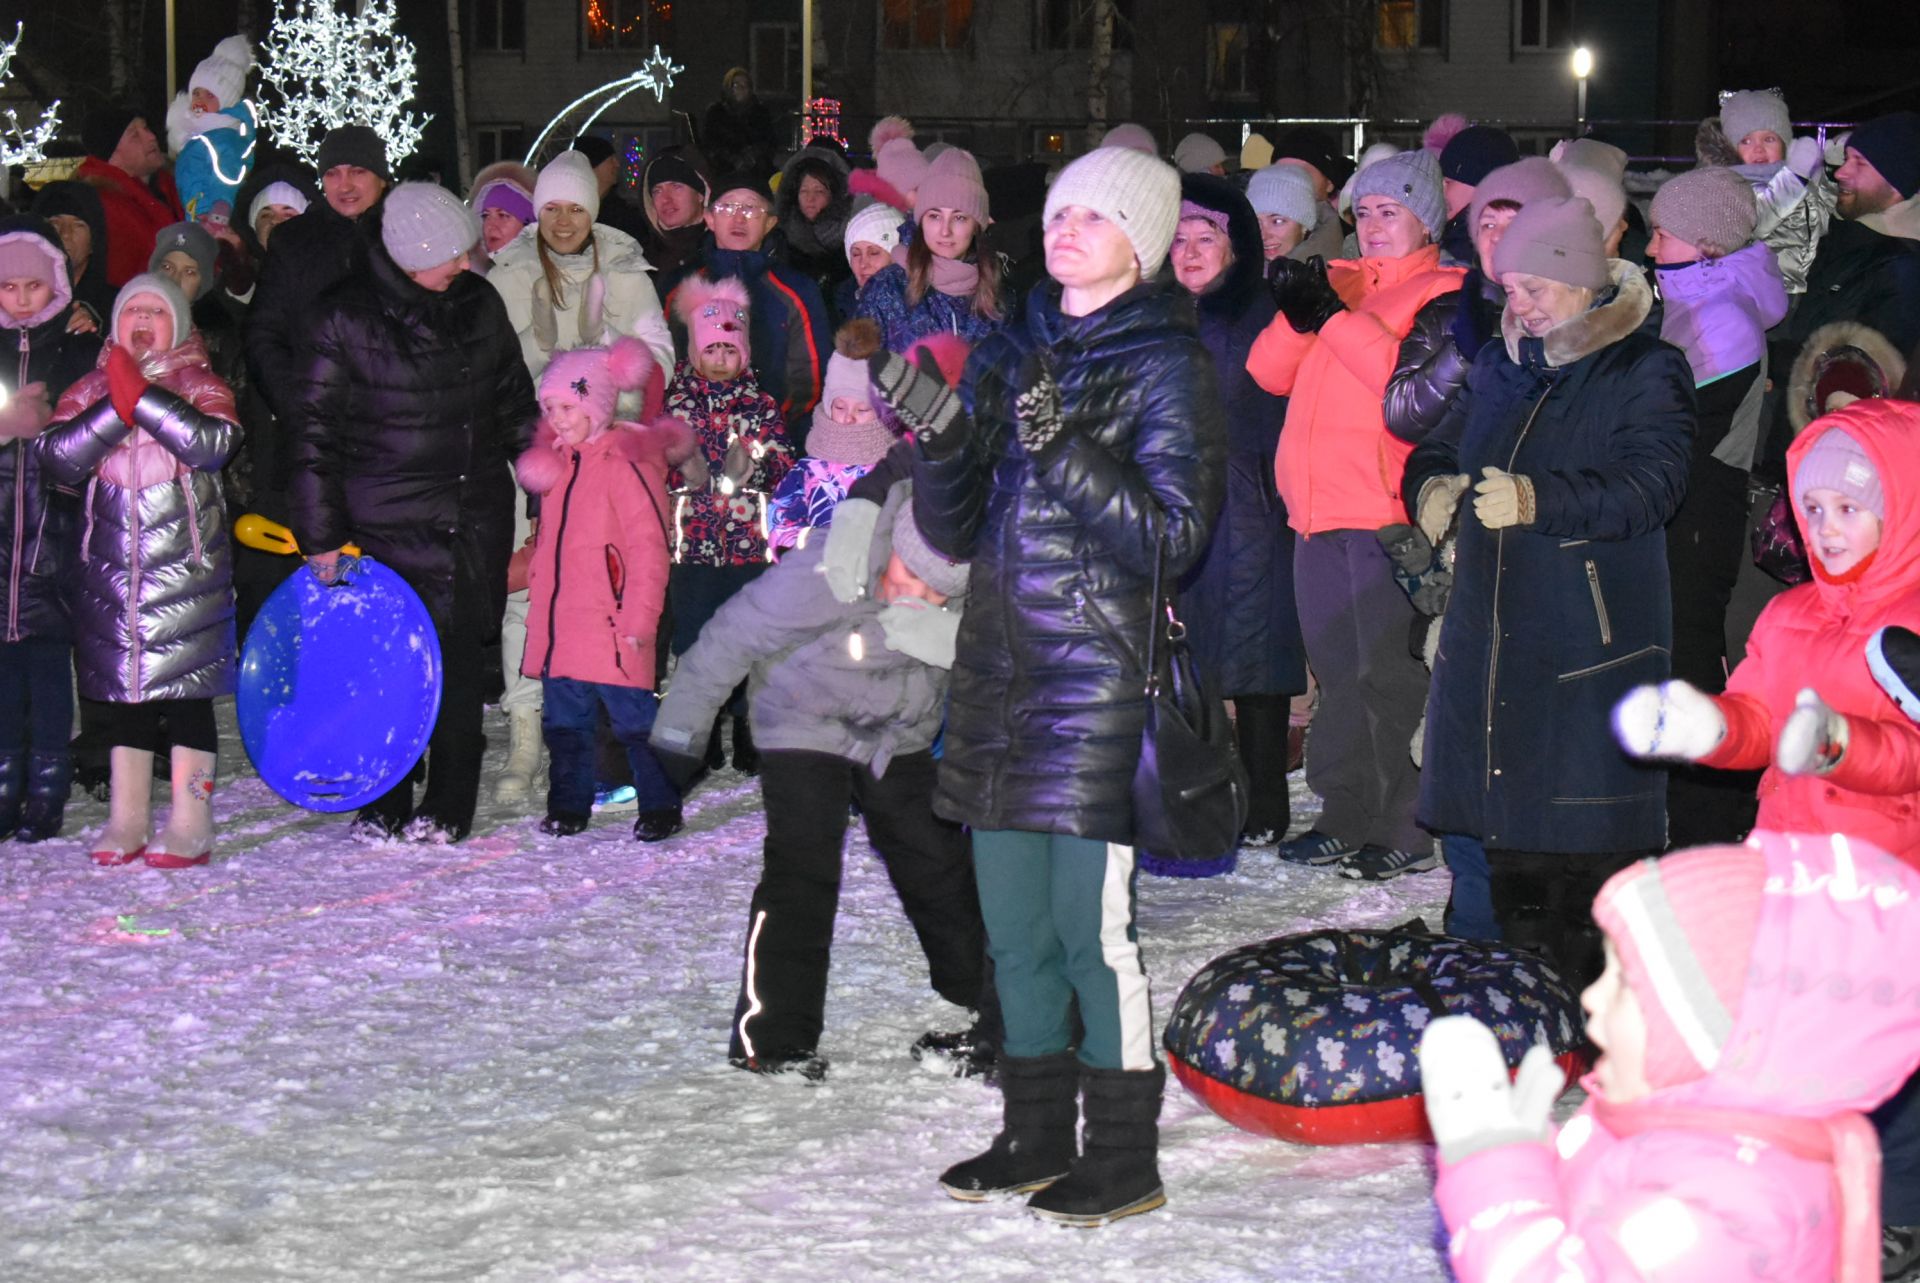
(667, 442)
(1613, 318)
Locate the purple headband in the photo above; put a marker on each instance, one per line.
(1218, 217)
(504, 196)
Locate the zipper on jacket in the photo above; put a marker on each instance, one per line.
(1499, 567)
(133, 593)
(19, 505)
(559, 548)
(1599, 604)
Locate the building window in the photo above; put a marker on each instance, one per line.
(628, 24)
(1413, 24)
(1229, 60)
(773, 58)
(1068, 24)
(925, 24)
(498, 142)
(1542, 24)
(497, 26)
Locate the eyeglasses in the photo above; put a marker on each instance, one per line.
(739, 209)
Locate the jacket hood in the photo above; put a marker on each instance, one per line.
(1244, 278)
(37, 234)
(1886, 430)
(830, 163)
(1827, 1019)
(693, 158)
(665, 443)
(188, 353)
(1617, 315)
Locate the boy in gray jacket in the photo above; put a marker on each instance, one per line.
(846, 698)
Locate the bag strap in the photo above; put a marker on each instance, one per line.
(1154, 622)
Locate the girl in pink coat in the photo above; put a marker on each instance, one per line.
(1757, 1000)
(597, 585)
(1840, 757)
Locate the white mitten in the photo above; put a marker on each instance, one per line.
(922, 630)
(1438, 498)
(847, 561)
(1804, 158)
(1672, 720)
(1472, 1104)
(738, 465)
(1814, 739)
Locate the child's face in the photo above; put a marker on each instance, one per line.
(24, 297)
(719, 362)
(1841, 532)
(569, 418)
(203, 100)
(897, 582)
(846, 409)
(1762, 147)
(1669, 250)
(1617, 1026)
(183, 269)
(146, 325)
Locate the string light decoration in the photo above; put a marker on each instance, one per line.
(823, 120)
(320, 69)
(21, 144)
(633, 162)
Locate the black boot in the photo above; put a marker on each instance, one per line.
(13, 782)
(49, 781)
(1036, 1143)
(716, 748)
(746, 758)
(1117, 1174)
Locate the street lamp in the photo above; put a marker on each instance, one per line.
(1582, 68)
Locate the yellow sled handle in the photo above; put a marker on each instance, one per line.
(256, 531)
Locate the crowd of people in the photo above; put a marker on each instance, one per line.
(838, 472)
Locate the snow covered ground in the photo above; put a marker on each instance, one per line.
(506, 1061)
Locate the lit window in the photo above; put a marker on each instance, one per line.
(925, 24)
(1413, 24)
(629, 24)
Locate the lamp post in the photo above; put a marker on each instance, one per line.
(1582, 68)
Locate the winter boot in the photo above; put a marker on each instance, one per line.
(523, 757)
(129, 807)
(1036, 1144)
(1116, 1175)
(49, 781)
(746, 758)
(716, 749)
(188, 838)
(13, 788)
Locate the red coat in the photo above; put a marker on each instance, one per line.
(1816, 635)
(136, 212)
(599, 573)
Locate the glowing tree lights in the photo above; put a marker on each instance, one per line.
(320, 69)
(21, 144)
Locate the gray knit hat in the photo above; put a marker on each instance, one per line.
(1557, 238)
(1137, 192)
(166, 291)
(1413, 179)
(426, 225)
(192, 240)
(1752, 110)
(1528, 179)
(1128, 134)
(948, 578)
(1711, 208)
(1284, 190)
(1197, 153)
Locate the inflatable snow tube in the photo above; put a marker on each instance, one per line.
(1312, 1038)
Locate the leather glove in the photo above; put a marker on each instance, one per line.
(847, 561)
(1804, 157)
(25, 412)
(918, 395)
(1438, 498)
(1468, 332)
(921, 629)
(1471, 1103)
(1814, 739)
(1302, 293)
(1503, 499)
(1672, 720)
(125, 383)
(1037, 410)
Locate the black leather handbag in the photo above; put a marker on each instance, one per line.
(1190, 791)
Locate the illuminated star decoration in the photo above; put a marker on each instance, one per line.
(320, 69)
(20, 145)
(657, 73)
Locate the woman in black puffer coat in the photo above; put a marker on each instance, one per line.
(1076, 440)
(1238, 602)
(414, 404)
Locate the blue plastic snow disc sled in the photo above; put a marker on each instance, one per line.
(339, 686)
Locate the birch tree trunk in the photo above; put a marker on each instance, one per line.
(462, 144)
(1099, 71)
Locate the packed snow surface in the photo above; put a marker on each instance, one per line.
(506, 1060)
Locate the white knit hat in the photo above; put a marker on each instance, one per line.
(1137, 192)
(1284, 190)
(876, 224)
(162, 288)
(223, 73)
(567, 179)
(425, 225)
(1128, 134)
(1752, 110)
(277, 194)
(1197, 153)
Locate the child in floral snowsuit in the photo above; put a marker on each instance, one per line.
(720, 521)
(847, 439)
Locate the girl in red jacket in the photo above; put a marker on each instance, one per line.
(1840, 758)
(598, 581)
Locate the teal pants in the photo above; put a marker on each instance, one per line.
(1059, 913)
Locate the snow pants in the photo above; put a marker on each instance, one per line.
(783, 983)
(1060, 926)
(36, 695)
(569, 714)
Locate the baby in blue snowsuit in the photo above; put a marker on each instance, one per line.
(211, 131)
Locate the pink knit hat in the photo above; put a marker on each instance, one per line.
(1838, 462)
(714, 312)
(1683, 928)
(953, 182)
(594, 377)
(1557, 238)
(898, 161)
(1528, 179)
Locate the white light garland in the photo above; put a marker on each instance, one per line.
(320, 69)
(19, 144)
(656, 73)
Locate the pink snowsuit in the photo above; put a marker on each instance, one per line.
(1764, 1169)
